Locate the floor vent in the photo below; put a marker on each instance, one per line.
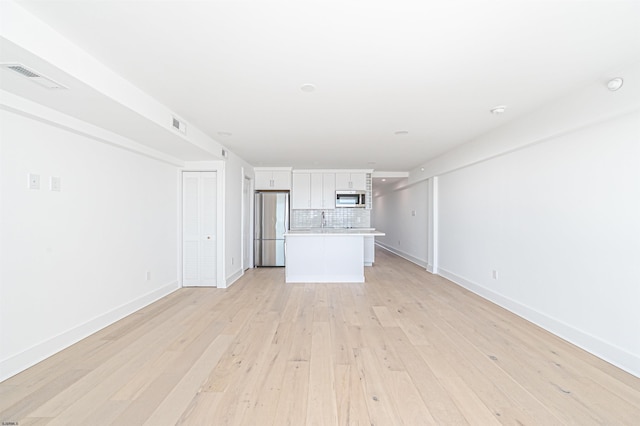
(33, 76)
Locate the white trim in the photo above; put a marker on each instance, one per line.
(592, 344)
(402, 254)
(247, 210)
(233, 278)
(47, 348)
(35, 111)
(206, 166)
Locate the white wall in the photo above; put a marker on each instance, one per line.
(405, 234)
(558, 221)
(235, 171)
(75, 261)
(549, 201)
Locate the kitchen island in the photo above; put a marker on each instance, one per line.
(328, 255)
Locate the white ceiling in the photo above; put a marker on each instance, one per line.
(433, 69)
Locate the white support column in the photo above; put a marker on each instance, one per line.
(432, 245)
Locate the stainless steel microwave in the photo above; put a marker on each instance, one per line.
(351, 199)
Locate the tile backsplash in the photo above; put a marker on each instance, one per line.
(334, 218)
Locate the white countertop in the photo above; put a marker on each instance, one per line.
(344, 232)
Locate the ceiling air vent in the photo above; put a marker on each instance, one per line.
(34, 76)
(179, 125)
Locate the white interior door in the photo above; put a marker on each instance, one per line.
(199, 224)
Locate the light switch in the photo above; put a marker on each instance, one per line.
(34, 181)
(54, 183)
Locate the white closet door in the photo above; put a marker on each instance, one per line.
(199, 239)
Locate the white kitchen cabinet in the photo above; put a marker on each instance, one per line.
(301, 191)
(356, 181)
(316, 191)
(273, 179)
(313, 191)
(323, 191)
(369, 251)
(328, 190)
(328, 255)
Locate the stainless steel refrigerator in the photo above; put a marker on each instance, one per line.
(271, 222)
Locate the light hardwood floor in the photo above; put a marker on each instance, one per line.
(406, 347)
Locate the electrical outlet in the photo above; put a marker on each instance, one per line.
(232, 260)
(148, 276)
(413, 212)
(34, 181)
(495, 274)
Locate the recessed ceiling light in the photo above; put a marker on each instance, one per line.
(401, 132)
(384, 180)
(224, 133)
(615, 83)
(498, 110)
(308, 87)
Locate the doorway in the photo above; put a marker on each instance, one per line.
(199, 229)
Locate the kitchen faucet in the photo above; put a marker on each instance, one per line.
(322, 224)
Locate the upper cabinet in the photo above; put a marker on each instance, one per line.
(316, 189)
(301, 193)
(323, 190)
(313, 190)
(351, 181)
(273, 178)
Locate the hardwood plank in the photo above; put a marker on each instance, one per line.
(240, 394)
(321, 403)
(407, 399)
(350, 402)
(178, 400)
(35, 421)
(379, 402)
(384, 316)
(30, 402)
(463, 394)
(438, 401)
(269, 380)
(292, 405)
(201, 409)
(103, 413)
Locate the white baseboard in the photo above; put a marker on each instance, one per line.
(20, 362)
(233, 278)
(402, 254)
(592, 344)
